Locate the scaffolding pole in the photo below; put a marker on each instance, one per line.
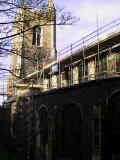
(98, 44)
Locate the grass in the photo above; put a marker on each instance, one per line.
(5, 155)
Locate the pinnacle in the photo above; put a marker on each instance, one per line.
(50, 3)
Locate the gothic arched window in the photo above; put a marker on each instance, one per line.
(111, 127)
(41, 132)
(36, 35)
(68, 132)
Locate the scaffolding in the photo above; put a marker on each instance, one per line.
(92, 47)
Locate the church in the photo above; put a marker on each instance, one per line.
(34, 46)
(64, 105)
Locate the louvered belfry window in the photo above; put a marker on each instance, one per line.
(36, 35)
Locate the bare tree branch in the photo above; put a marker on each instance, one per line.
(10, 71)
(10, 11)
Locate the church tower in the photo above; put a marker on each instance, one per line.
(34, 45)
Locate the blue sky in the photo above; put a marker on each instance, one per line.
(107, 11)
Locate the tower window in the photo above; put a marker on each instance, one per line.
(36, 35)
